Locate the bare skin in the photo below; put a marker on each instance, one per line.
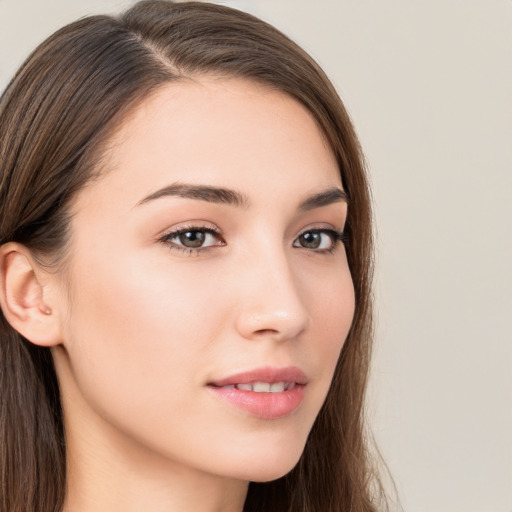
(165, 294)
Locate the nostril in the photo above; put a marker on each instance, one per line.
(265, 332)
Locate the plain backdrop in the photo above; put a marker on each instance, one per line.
(428, 85)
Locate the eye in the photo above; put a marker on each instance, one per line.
(319, 240)
(193, 238)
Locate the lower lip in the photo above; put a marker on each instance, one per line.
(268, 406)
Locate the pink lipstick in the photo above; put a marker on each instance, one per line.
(267, 393)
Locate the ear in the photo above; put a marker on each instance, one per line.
(22, 296)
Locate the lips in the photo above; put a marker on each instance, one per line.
(267, 393)
(268, 374)
(262, 387)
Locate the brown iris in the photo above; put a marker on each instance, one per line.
(192, 239)
(310, 240)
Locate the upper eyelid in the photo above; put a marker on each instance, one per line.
(320, 228)
(194, 228)
(190, 227)
(216, 230)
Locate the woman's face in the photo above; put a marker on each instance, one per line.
(207, 295)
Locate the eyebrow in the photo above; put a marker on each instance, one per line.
(201, 192)
(222, 195)
(325, 198)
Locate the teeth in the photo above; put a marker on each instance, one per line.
(263, 387)
(277, 387)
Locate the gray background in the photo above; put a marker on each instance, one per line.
(428, 84)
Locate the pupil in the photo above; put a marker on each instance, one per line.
(192, 238)
(310, 240)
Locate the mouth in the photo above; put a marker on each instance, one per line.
(265, 393)
(262, 379)
(261, 387)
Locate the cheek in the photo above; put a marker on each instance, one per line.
(136, 332)
(140, 337)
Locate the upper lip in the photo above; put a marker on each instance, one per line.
(266, 374)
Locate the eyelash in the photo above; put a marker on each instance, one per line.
(337, 238)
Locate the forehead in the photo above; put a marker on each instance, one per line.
(223, 132)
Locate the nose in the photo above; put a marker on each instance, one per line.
(271, 305)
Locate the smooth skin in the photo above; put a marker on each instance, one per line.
(161, 294)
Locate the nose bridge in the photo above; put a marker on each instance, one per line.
(272, 304)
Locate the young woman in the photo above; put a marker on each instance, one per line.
(185, 270)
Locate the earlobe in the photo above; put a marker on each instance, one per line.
(22, 296)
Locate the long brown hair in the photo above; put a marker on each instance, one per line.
(55, 115)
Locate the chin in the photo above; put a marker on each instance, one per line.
(270, 465)
(270, 474)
